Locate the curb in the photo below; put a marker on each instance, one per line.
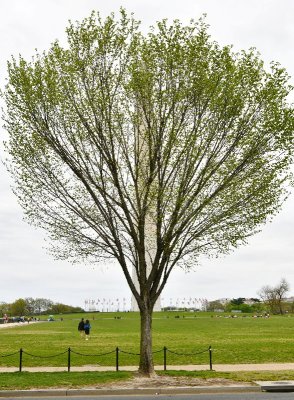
(125, 392)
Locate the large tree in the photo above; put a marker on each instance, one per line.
(149, 149)
(274, 296)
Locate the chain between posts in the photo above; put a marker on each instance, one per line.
(165, 350)
(69, 351)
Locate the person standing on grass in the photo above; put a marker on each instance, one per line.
(81, 327)
(87, 328)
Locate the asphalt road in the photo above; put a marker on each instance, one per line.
(208, 396)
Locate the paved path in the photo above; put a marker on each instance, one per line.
(14, 324)
(216, 367)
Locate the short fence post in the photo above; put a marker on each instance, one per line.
(116, 358)
(68, 360)
(164, 358)
(20, 360)
(210, 358)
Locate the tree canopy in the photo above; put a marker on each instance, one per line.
(274, 296)
(149, 149)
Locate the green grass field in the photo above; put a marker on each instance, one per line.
(43, 380)
(233, 340)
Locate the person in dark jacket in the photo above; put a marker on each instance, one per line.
(81, 327)
(87, 328)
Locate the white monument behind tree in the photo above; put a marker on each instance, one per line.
(150, 221)
(150, 240)
(134, 305)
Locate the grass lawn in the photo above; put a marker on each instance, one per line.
(234, 340)
(38, 380)
(65, 380)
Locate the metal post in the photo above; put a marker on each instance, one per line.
(20, 360)
(164, 358)
(210, 358)
(68, 360)
(116, 358)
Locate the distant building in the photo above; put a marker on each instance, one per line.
(289, 300)
(249, 302)
(224, 301)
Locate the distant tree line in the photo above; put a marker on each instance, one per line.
(272, 300)
(38, 306)
(238, 304)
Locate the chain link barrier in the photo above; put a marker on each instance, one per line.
(69, 351)
(93, 355)
(11, 354)
(36, 356)
(187, 354)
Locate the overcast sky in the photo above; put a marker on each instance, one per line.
(26, 270)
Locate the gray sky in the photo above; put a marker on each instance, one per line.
(25, 268)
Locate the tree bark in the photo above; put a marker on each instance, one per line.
(146, 366)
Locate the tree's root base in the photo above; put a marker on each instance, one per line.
(144, 374)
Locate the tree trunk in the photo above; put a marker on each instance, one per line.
(146, 366)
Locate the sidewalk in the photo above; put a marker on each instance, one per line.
(216, 367)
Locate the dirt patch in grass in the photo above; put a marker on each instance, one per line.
(169, 381)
